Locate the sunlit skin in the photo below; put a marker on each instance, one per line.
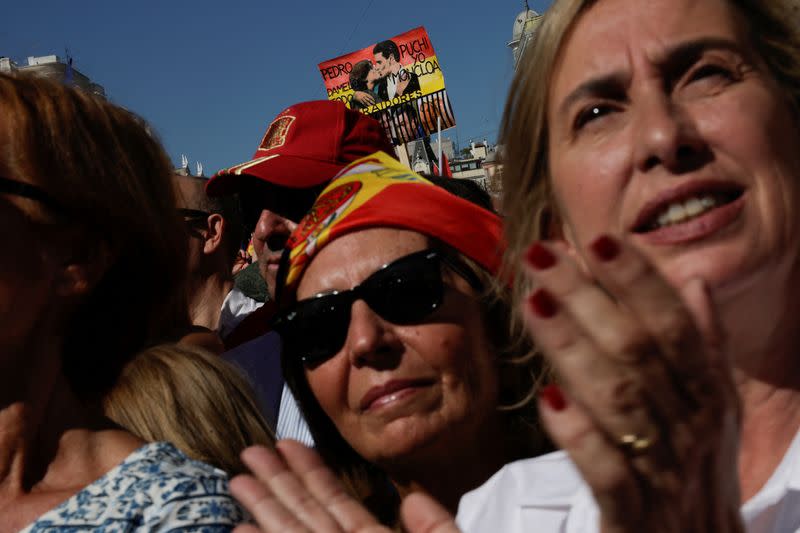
(447, 356)
(653, 98)
(189, 193)
(676, 105)
(210, 279)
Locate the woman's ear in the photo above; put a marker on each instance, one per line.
(83, 266)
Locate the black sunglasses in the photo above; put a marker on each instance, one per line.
(403, 292)
(26, 190)
(195, 220)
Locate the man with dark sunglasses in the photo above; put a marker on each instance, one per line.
(214, 230)
(303, 149)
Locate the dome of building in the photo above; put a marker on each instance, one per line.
(524, 23)
(524, 29)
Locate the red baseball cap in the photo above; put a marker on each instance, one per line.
(307, 145)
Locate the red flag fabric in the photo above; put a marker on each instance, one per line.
(378, 191)
(448, 173)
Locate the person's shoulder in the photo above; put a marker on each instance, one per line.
(162, 461)
(253, 326)
(549, 482)
(156, 488)
(181, 493)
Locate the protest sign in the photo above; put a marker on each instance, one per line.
(397, 81)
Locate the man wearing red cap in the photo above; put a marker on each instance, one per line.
(303, 149)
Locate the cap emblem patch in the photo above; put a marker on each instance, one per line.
(276, 133)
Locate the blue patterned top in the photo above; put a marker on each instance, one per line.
(156, 489)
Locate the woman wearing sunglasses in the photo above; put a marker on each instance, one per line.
(397, 341)
(655, 146)
(90, 272)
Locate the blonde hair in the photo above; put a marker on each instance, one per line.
(192, 398)
(527, 197)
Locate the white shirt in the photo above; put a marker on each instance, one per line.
(235, 308)
(291, 424)
(547, 495)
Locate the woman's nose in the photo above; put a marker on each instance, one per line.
(667, 136)
(370, 339)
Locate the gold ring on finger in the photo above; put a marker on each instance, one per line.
(634, 444)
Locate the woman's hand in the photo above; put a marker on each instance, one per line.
(364, 98)
(648, 412)
(293, 491)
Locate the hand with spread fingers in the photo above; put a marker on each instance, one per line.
(642, 373)
(291, 490)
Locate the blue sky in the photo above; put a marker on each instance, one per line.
(210, 76)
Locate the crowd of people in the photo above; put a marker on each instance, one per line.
(614, 349)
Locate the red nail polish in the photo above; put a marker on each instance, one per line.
(605, 248)
(553, 397)
(543, 304)
(540, 257)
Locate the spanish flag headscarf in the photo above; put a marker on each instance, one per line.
(378, 191)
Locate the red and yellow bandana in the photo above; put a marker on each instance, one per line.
(378, 191)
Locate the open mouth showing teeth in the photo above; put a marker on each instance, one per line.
(687, 209)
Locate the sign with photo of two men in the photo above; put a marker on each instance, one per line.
(397, 81)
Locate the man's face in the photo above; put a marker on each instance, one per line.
(271, 213)
(190, 197)
(384, 65)
(269, 239)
